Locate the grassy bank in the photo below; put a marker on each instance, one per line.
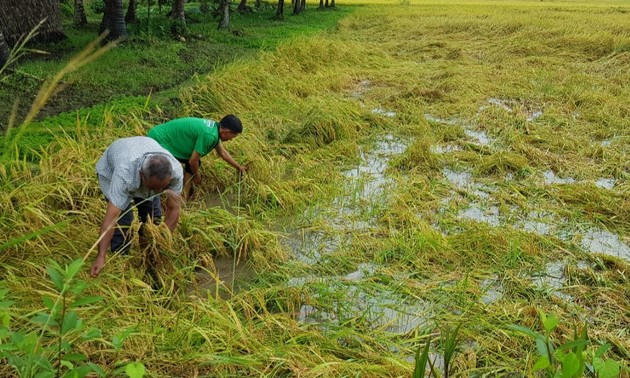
(423, 166)
(161, 64)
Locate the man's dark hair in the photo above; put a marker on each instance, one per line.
(232, 123)
(157, 165)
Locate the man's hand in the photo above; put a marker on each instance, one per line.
(197, 179)
(242, 168)
(97, 266)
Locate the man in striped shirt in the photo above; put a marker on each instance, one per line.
(138, 170)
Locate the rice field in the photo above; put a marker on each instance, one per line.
(426, 166)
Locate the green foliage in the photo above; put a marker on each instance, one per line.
(48, 347)
(97, 6)
(135, 370)
(571, 359)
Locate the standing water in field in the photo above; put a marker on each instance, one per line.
(357, 211)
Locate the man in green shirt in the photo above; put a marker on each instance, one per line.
(188, 139)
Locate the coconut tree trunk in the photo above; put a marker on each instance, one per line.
(19, 17)
(321, 4)
(114, 20)
(177, 12)
(4, 50)
(131, 17)
(302, 5)
(280, 11)
(79, 14)
(241, 6)
(225, 14)
(257, 3)
(332, 3)
(296, 7)
(178, 16)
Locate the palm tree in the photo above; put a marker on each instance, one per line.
(79, 14)
(179, 17)
(114, 21)
(19, 17)
(224, 9)
(4, 51)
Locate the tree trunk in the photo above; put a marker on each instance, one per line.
(178, 16)
(79, 14)
(241, 6)
(4, 50)
(280, 11)
(302, 5)
(19, 17)
(296, 7)
(131, 17)
(326, 4)
(225, 14)
(257, 3)
(114, 20)
(321, 4)
(332, 3)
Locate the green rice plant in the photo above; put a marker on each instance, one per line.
(571, 359)
(422, 359)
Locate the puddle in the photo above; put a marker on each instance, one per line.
(605, 242)
(500, 103)
(379, 309)
(220, 277)
(309, 246)
(492, 290)
(461, 180)
(444, 149)
(386, 113)
(363, 270)
(534, 115)
(453, 121)
(475, 212)
(551, 178)
(605, 183)
(552, 280)
(538, 222)
(368, 181)
(480, 136)
(362, 87)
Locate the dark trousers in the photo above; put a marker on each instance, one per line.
(121, 241)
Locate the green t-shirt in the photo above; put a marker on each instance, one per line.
(182, 136)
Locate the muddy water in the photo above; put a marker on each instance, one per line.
(222, 279)
(354, 212)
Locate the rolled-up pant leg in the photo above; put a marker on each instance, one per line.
(121, 240)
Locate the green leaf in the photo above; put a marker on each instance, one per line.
(44, 319)
(607, 369)
(135, 370)
(73, 268)
(6, 304)
(543, 347)
(78, 287)
(524, 330)
(602, 349)
(550, 323)
(48, 302)
(421, 360)
(75, 357)
(570, 365)
(542, 363)
(85, 301)
(55, 277)
(70, 322)
(92, 333)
